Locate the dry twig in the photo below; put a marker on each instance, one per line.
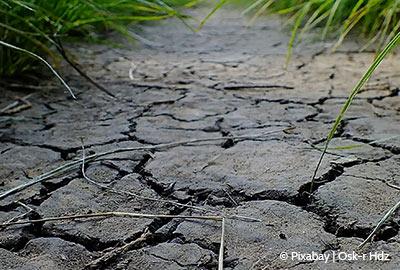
(76, 163)
(255, 86)
(18, 217)
(221, 247)
(392, 186)
(137, 242)
(75, 66)
(388, 214)
(16, 106)
(128, 193)
(107, 215)
(114, 253)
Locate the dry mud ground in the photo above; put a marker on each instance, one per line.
(225, 80)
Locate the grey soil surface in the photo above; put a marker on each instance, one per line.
(226, 80)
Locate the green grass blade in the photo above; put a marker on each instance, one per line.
(378, 60)
(29, 23)
(215, 9)
(330, 18)
(301, 14)
(318, 16)
(260, 11)
(252, 7)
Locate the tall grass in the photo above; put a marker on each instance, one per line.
(376, 20)
(39, 26)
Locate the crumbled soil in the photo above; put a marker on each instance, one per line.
(226, 80)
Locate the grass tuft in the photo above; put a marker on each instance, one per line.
(38, 26)
(376, 20)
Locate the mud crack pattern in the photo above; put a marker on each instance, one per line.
(226, 80)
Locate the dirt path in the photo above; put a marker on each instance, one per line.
(226, 80)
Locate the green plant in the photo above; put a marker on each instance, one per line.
(378, 60)
(40, 26)
(377, 20)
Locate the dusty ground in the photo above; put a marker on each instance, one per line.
(226, 80)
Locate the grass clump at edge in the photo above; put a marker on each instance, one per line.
(378, 21)
(40, 26)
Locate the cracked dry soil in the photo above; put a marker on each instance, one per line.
(226, 80)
